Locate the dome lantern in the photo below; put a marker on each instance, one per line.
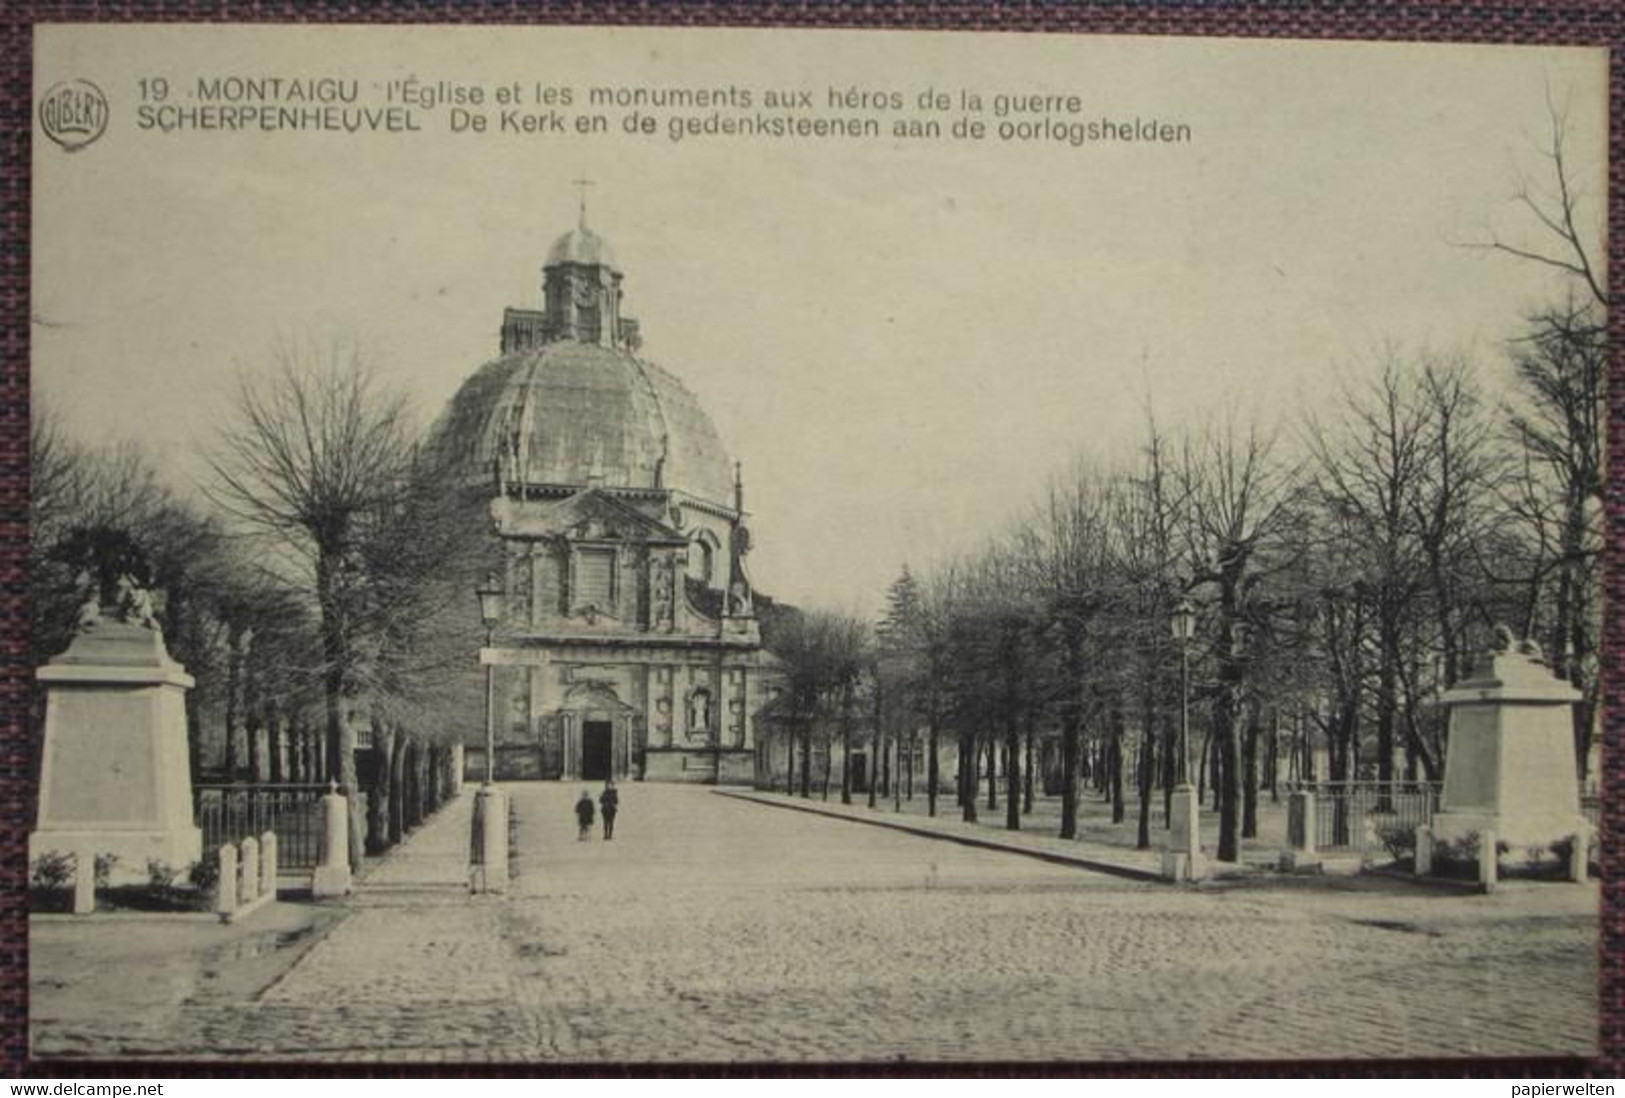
(569, 402)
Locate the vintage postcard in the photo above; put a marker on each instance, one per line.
(562, 546)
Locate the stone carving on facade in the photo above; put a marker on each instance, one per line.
(740, 603)
(520, 583)
(699, 710)
(664, 593)
(736, 707)
(663, 705)
(628, 559)
(558, 564)
(519, 711)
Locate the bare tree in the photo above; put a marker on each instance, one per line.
(102, 512)
(1240, 500)
(1068, 557)
(1560, 366)
(1568, 234)
(1146, 556)
(316, 449)
(1371, 471)
(825, 655)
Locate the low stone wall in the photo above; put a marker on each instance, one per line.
(733, 766)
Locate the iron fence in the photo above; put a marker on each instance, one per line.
(1360, 816)
(231, 813)
(1357, 816)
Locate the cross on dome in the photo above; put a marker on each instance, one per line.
(583, 183)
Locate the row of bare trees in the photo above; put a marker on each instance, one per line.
(1342, 575)
(319, 583)
(1343, 568)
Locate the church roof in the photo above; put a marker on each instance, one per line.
(582, 245)
(570, 413)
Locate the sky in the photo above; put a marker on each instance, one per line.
(899, 338)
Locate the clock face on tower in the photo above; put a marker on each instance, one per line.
(586, 293)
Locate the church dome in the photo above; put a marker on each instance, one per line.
(568, 412)
(582, 245)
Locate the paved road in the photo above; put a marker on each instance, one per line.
(716, 929)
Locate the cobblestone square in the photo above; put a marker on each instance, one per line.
(715, 929)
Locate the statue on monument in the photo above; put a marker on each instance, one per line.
(135, 604)
(1506, 641)
(90, 610)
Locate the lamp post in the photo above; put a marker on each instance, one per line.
(1182, 860)
(490, 596)
(489, 844)
(1183, 623)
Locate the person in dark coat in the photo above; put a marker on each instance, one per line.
(584, 815)
(609, 803)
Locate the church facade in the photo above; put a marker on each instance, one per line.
(629, 646)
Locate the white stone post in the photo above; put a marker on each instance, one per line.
(250, 887)
(268, 864)
(225, 890)
(333, 874)
(1424, 851)
(84, 881)
(490, 870)
(1486, 860)
(1579, 856)
(1182, 860)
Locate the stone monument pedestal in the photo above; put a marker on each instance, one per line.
(115, 777)
(1510, 768)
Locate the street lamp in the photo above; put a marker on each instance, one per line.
(1183, 623)
(1182, 860)
(489, 844)
(490, 596)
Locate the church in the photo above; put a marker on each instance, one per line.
(629, 646)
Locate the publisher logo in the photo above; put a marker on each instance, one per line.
(73, 113)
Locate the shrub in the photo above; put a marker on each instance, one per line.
(205, 873)
(160, 875)
(1399, 841)
(53, 869)
(104, 868)
(1457, 857)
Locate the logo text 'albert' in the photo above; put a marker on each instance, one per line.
(73, 113)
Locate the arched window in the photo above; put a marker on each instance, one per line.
(703, 559)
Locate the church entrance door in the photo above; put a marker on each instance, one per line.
(597, 745)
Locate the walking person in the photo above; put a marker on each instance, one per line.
(584, 815)
(609, 803)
